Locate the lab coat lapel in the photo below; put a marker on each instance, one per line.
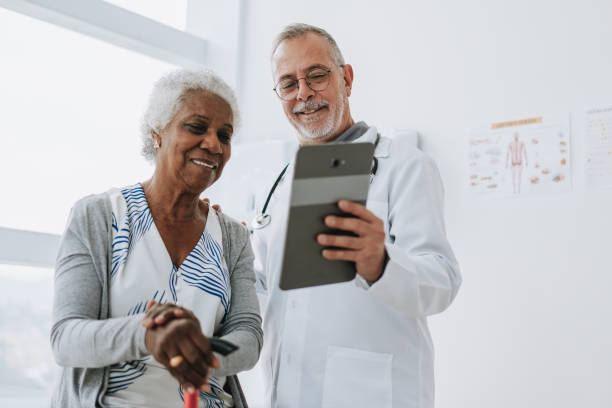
(382, 149)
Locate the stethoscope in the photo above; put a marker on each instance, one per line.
(263, 219)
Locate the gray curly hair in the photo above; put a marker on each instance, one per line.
(167, 96)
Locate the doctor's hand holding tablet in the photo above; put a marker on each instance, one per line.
(329, 190)
(367, 249)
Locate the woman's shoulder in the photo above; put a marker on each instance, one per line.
(232, 227)
(101, 204)
(90, 213)
(236, 242)
(235, 236)
(92, 203)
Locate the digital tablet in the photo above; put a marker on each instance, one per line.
(323, 175)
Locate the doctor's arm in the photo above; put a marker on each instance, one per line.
(413, 269)
(421, 276)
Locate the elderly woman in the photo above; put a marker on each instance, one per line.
(156, 243)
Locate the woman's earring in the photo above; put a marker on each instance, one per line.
(155, 144)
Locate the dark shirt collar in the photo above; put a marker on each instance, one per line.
(352, 133)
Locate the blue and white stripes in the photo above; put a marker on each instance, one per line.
(122, 375)
(141, 307)
(172, 282)
(136, 223)
(203, 269)
(141, 267)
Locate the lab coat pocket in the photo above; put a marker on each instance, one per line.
(381, 210)
(357, 378)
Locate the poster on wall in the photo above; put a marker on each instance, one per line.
(598, 148)
(520, 157)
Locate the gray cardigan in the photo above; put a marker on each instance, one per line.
(86, 342)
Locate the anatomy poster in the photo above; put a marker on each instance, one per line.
(598, 143)
(520, 157)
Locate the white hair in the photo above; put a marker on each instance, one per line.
(299, 30)
(167, 96)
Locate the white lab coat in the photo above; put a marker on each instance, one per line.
(348, 344)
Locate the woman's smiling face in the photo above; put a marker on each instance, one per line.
(196, 144)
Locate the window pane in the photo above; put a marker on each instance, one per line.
(27, 370)
(169, 12)
(70, 107)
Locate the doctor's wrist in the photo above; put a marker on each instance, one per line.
(382, 271)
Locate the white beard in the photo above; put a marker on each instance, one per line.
(329, 128)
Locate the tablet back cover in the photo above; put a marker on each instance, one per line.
(323, 175)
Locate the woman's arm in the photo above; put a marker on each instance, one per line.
(242, 325)
(79, 338)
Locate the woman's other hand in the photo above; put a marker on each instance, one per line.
(218, 208)
(182, 348)
(159, 314)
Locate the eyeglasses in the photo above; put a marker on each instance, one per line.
(316, 79)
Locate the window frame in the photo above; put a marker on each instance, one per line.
(115, 25)
(16, 248)
(120, 27)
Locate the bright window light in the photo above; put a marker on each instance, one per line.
(27, 371)
(70, 110)
(169, 12)
(70, 107)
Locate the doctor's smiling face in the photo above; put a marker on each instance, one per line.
(321, 115)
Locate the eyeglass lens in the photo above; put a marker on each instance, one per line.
(317, 79)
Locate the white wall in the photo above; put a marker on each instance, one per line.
(531, 325)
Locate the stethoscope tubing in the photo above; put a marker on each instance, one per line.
(262, 220)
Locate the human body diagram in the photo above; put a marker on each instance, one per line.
(517, 156)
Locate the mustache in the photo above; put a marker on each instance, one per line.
(304, 106)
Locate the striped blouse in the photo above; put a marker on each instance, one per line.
(141, 270)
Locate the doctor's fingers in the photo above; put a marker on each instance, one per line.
(343, 254)
(365, 248)
(215, 206)
(356, 225)
(341, 241)
(370, 230)
(359, 210)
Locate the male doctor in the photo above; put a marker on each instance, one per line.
(363, 343)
